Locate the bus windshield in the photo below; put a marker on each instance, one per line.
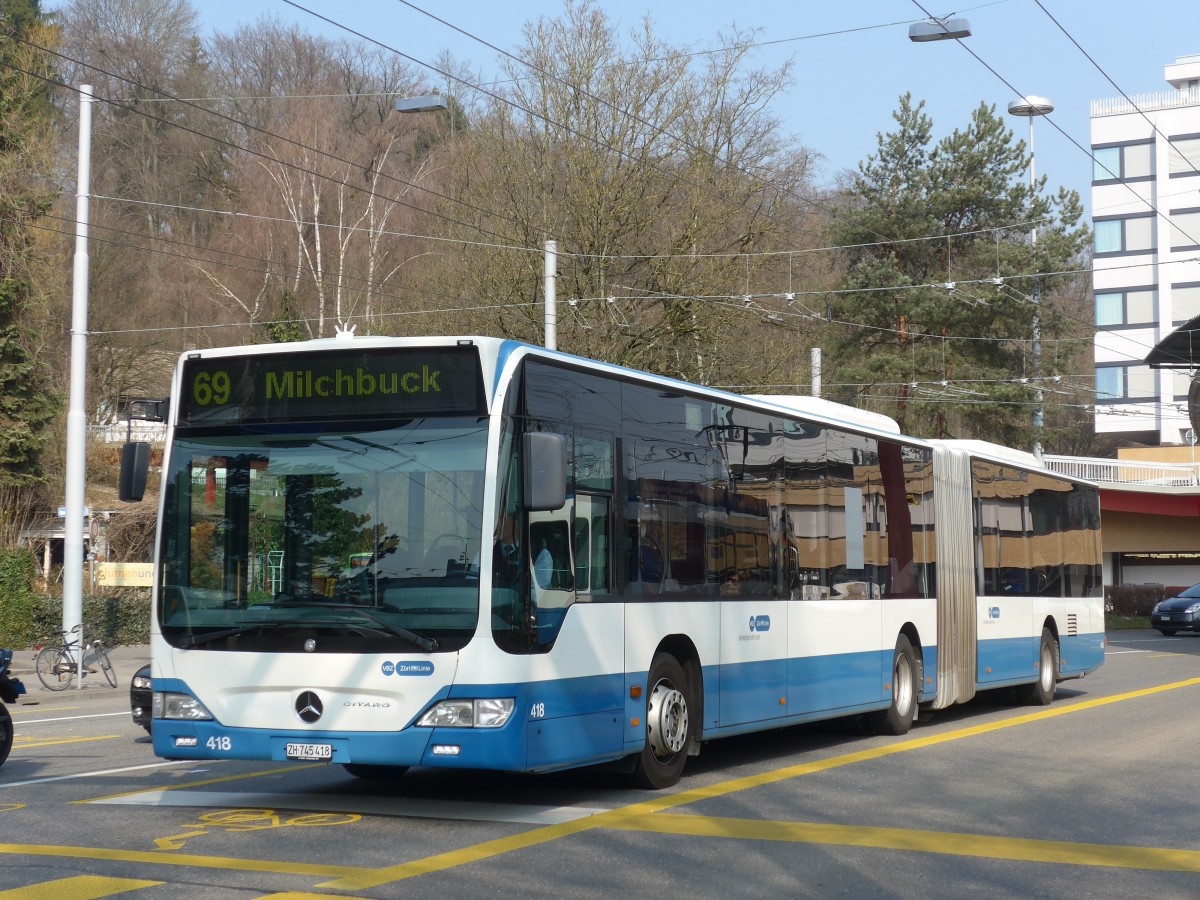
(307, 539)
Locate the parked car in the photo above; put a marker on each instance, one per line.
(141, 697)
(1178, 613)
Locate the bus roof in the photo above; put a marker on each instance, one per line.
(827, 409)
(994, 452)
(497, 353)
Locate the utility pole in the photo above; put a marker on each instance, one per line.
(551, 274)
(76, 476)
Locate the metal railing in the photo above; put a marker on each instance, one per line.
(1131, 472)
(1116, 106)
(119, 432)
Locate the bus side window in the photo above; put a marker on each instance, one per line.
(591, 544)
(582, 554)
(549, 543)
(599, 553)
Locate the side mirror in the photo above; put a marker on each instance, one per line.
(544, 456)
(135, 463)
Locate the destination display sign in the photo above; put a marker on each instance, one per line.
(328, 385)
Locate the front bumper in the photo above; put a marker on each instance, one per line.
(1177, 621)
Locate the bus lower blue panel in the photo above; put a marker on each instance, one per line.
(1081, 654)
(555, 725)
(557, 743)
(835, 682)
(211, 740)
(1007, 660)
(753, 692)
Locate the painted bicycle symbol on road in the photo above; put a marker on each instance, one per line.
(236, 821)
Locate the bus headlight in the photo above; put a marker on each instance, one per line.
(179, 706)
(485, 713)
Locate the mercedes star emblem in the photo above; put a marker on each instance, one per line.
(309, 707)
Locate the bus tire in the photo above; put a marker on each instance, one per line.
(668, 725)
(1041, 692)
(375, 772)
(898, 717)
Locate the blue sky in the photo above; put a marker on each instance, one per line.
(852, 60)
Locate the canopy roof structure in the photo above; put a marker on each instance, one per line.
(1178, 350)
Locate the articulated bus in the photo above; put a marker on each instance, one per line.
(477, 553)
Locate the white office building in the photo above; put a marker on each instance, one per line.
(1146, 270)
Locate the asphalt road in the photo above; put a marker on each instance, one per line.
(1087, 797)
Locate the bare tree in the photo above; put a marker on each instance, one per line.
(664, 178)
(159, 168)
(326, 173)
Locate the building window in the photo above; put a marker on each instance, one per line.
(1131, 235)
(1185, 302)
(1132, 306)
(1129, 162)
(1184, 156)
(1106, 165)
(1185, 229)
(1116, 384)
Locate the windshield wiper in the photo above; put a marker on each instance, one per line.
(195, 640)
(427, 644)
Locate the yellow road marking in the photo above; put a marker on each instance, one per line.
(29, 743)
(9, 807)
(176, 841)
(153, 857)
(81, 887)
(537, 836)
(639, 816)
(944, 842)
(238, 821)
(26, 709)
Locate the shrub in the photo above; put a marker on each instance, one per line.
(31, 618)
(1132, 599)
(21, 614)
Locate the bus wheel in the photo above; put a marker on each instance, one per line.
(668, 726)
(370, 770)
(898, 717)
(1041, 692)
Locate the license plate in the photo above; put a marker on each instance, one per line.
(310, 751)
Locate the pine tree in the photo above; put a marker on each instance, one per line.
(932, 340)
(25, 196)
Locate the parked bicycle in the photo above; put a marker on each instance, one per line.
(56, 665)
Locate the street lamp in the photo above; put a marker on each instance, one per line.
(943, 29)
(1031, 108)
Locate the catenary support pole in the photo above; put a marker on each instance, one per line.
(551, 295)
(76, 476)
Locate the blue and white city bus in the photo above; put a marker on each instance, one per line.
(476, 553)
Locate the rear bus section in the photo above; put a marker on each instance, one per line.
(1030, 608)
